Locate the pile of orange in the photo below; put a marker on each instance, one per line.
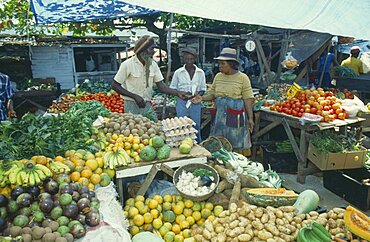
(170, 217)
(87, 168)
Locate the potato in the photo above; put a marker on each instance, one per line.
(223, 214)
(322, 221)
(264, 235)
(336, 231)
(279, 213)
(258, 213)
(272, 229)
(207, 234)
(209, 226)
(313, 214)
(221, 237)
(264, 218)
(332, 223)
(340, 222)
(272, 209)
(198, 238)
(279, 221)
(244, 223)
(291, 227)
(251, 216)
(233, 207)
(219, 229)
(234, 224)
(323, 215)
(289, 216)
(338, 210)
(250, 232)
(341, 235)
(244, 237)
(257, 225)
(287, 238)
(233, 216)
(332, 214)
(244, 211)
(288, 209)
(297, 220)
(341, 215)
(271, 216)
(284, 229)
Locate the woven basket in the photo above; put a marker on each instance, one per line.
(190, 168)
(213, 144)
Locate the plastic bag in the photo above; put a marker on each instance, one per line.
(353, 106)
(290, 62)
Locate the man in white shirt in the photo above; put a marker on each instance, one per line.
(186, 79)
(136, 76)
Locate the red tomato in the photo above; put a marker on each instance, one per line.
(289, 111)
(279, 110)
(326, 108)
(300, 114)
(288, 105)
(293, 105)
(295, 113)
(341, 116)
(313, 110)
(298, 104)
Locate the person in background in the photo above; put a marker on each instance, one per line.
(90, 63)
(6, 95)
(184, 79)
(233, 94)
(136, 76)
(331, 61)
(353, 62)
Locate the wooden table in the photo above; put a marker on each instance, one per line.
(150, 169)
(274, 119)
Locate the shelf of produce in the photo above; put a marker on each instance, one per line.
(275, 118)
(360, 83)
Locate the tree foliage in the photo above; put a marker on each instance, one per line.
(17, 15)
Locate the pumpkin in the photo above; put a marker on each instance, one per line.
(357, 222)
(275, 197)
(307, 201)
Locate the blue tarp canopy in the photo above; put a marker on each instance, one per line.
(51, 11)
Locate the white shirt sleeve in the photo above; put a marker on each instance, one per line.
(122, 73)
(202, 82)
(157, 73)
(175, 80)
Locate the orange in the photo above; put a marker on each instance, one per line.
(91, 186)
(155, 213)
(134, 230)
(153, 204)
(100, 162)
(75, 176)
(190, 220)
(114, 136)
(86, 173)
(176, 228)
(189, 203)
(197, 215)
(140, 198)
(84, 181)
(138, 220)
(87, 168)
(132, 212)
(157, 223)
(180, 218)
(158, 198)
(93, 164)
(98, 171)
(99, 154)
(79, 168)
(148, 218)
(95, 179)
(59, 159)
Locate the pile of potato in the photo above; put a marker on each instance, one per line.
(245, 222)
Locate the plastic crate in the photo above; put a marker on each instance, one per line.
(347, 184)
(279, 162)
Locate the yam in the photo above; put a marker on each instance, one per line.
(236, 192)
(223, 185)
(251, 182)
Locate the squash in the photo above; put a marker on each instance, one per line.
(275, 197)
(307, 201)
(357, 222)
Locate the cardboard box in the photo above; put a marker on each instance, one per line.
(335, 161)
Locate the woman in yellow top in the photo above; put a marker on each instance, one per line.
(233, 94)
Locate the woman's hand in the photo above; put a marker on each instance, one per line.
(250, 125)
(196, 99)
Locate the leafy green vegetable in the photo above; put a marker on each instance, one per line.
(344, 71)
(50, 136)
(95, 86)
(202, 172)
(327, 141)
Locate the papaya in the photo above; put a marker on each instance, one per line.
(357, 222)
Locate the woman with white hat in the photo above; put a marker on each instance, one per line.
(232, 92)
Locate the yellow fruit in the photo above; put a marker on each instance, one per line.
(211, 218)
(177, 209)
(138, 220)
(91, 186)
(184, 225)
(130, 202)
(157, 223)
(206, 213)
(159, 208)
(75, 176)
(99, 154)
(136, 140)
(114, 136)
(144, 209)
(155, 213)
(186, 233)
(158, 198)
(86, 173)
(147, 201)
(196, 215)
(190, 220)
(197, 206)
(188, 203)
(135, 146)
(141, 146)
(139, 204)
(187, 212)
(104, 180)
(132, 212)
(167, 206)
(168, 225)
(59, 159)
(110, 172)
(93, 164)
(218, 210)
(79, 168)
(164, 230)
(42, 160)
(201, 222)
(126, 208)
(148, 227)
(153, 204)
(208, 206)
(178, 238)
(137, 158)
(128, 146)
(100, 162)
(140, 198)
(169, 237)
(180, 218)
(69, 153)
(148, 218)
(134, 230)
(95, 179)
(98, 171)
(176, 229)
(84, 181)
(167, 198)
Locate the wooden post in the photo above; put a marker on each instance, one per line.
(148, 180)
(323, 68)
(301, 74)
(292, 140)
(303, 147)
(264, 60)
(283, 50)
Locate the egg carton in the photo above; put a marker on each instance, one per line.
(180, 138)
(177, 123)
(181, 132)
(175, 144)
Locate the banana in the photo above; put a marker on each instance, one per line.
(41, 175)
(44, 169)
(14, 166)
(107, 157)
(37, 178)
(19, 179)
(31, 179)
(24, 176)
(321, 232)
(13, 175)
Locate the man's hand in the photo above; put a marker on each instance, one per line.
(196, 99)
(182, 95)
(250, 125)
(140, 101)
(12, 114)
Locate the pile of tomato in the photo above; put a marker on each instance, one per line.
(314, 101)
(113, 102)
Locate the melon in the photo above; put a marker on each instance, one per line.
(274, 197)
(163, 152)
(157, 142)
(148, 153)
